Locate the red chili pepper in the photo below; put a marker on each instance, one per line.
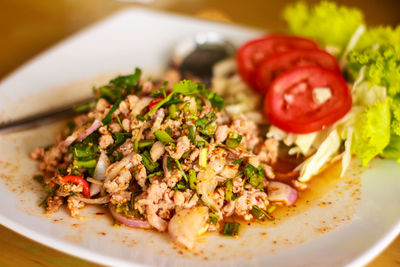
(154, 102)
(75, 179)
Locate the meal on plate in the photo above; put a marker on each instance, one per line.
(174, 155)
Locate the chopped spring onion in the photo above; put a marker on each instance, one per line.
(178, 164)
(85, 163)
(233, 140)
(260, 214)
(136, 144)
(141, 118)
(181, 186)
(163, 137)
(155, 174)
(207, 124)
(173, 111)
(203, 157)
(231, 229)
(228, 190)
(238, 161)
(186, 154)
(148, 163)
(271, 209)
(213, 218)
(107, 119)
(146, 143)
(120, 123)
(192, 179)
(254, 176)
(200, 143)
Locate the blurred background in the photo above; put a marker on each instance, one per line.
(28, 27)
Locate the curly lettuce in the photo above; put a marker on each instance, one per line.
(382, 35)
(392, 151)
(381, 66)
(327, 23)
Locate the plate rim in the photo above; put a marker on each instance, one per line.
(68, 248)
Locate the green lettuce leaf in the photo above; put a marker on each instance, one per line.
(395, 108)
(392, 151)
(379, 36)
(381, 66)
(372, 132)
(327, 23)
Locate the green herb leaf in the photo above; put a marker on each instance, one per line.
(128, 82)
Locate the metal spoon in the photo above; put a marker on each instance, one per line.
(196, 56)
(192, 57)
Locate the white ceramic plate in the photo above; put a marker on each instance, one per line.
(348, 224)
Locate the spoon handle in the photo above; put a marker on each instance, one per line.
(43, 117)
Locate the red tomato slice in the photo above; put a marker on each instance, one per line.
(252, 53)
(270, 68)
(290, 104)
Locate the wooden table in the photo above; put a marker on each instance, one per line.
(28, 27)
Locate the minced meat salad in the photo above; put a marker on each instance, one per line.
(164, 156)
(170, 156)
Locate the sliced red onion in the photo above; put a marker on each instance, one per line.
(135, 223)
(282, 192)
(70, 139)
(95, 125)
(99, 173)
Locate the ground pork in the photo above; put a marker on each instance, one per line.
(120, 182)
(248, 199)
(74, 205)
(182, 146)
(120, 197)
(53, 203)
(156, 151)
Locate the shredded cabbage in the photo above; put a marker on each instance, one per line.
(325, 152)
